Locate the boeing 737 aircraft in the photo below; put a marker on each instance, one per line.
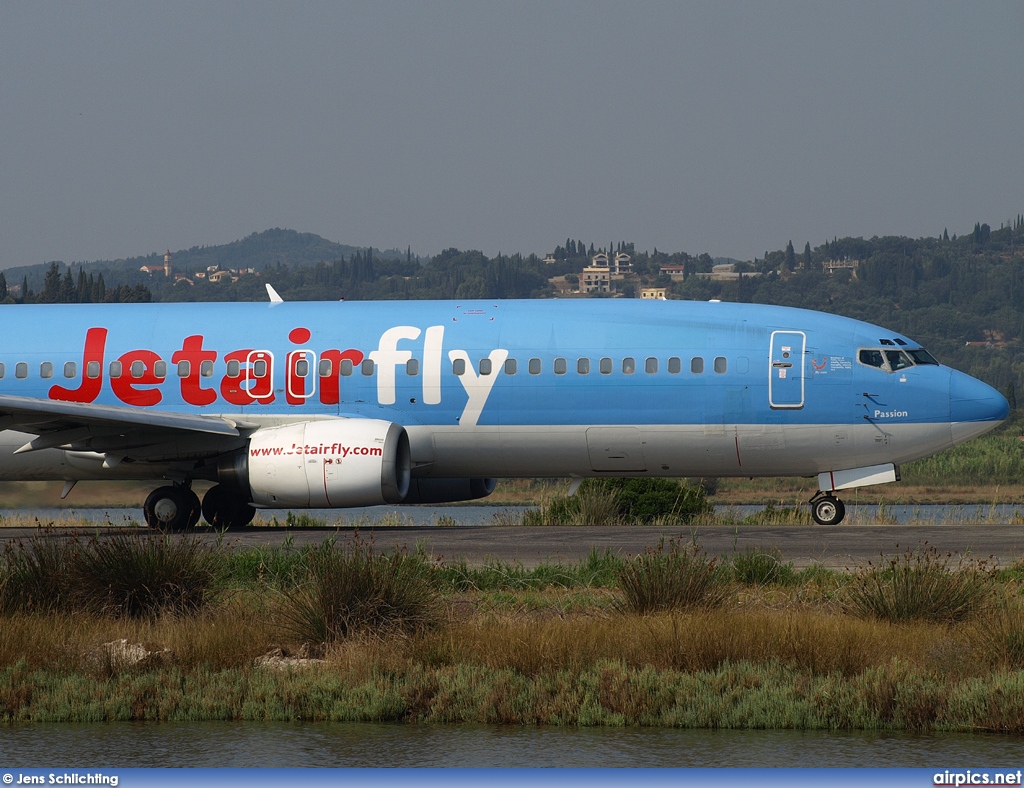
(292, 405)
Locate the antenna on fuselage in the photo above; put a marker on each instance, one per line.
(274, 297)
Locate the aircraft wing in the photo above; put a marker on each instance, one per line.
(119, 430)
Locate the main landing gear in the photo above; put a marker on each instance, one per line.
(172, 508)
(826, 509)
(176, 507)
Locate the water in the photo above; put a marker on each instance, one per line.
(488, 515)
(368, 745)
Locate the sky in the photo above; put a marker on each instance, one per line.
(721, 127)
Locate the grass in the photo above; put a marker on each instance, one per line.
(922, 584)
(134, 574)
(764, 645)
(348, 590)
(672, 577)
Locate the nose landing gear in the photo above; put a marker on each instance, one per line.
(826, 509)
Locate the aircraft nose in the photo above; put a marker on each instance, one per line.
(971, 401)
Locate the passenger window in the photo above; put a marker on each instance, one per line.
(898, 360)
(583, 366)
(302, 367)
(510, 366)
(2, 370)
(412, 367)
(628, 366)
(872, 358)
(259, 368)
(138, 369)
(697, 365)
(115, 369)
(326, 368)
(559, 366)
(21, 370)
(534, 366)
(459, 366)
(606, 366)
(184, 368)
(674, 365)
(160, 369)
(721, 365)
(46, 369)
(346, 367)
(234, 369)
(485, 366)
(367, 367)
(92, 370)
(651, 366)
(206, 369)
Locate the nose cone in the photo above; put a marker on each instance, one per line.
(974, 407)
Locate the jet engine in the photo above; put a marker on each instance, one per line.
(323, 464)
(448, 490)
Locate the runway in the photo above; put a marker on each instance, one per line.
(837, 547)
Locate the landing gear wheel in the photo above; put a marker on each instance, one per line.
(171, 508)
(827, 510)
(226, 509)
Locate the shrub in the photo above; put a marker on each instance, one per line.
(923, 585)
(36, 576)
(142, 575)
(345, 591)
(762, 567)
(624, 501)
(671, 577)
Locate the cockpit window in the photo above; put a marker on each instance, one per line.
(873, 358)
(898, 360)
(922, 356)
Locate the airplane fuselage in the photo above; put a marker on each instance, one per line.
(495, 388)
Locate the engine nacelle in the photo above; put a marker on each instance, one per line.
(448, 490)
(325, 464)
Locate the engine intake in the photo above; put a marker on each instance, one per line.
(323, 464)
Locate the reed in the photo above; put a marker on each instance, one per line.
(352, 589)
(672, 576)
(922, 584)
(143, 575)
(759, 567)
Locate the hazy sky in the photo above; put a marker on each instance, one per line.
(127, 128)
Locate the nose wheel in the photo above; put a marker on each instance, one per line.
(826, 509)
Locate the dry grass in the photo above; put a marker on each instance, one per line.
(816, 642)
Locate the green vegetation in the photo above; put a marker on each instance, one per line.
(125, 574)
(561, 644)
(347, 591)
(962, 297)
(672, 577)
(921, 584)
(624, 501)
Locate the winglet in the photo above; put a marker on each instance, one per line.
(274, 297)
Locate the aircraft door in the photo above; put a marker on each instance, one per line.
(259, 377)
(786, 369)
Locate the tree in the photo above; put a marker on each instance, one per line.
(790, 259)
(51, 285)
(1011, 395)
(3, 286)
(807, 255)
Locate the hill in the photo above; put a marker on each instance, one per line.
(259, 251)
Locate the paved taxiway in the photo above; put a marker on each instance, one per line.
(838, 547)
